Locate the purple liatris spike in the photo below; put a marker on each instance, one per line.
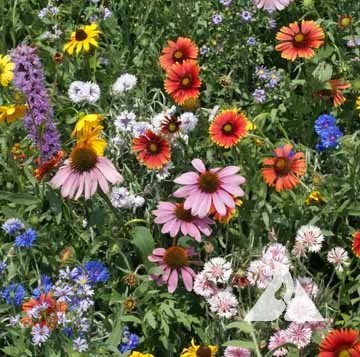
(39, 120)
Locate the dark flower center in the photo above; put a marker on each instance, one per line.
(282, 166)
(227, 128)
(178, 55)
(80, 35)
(186, 81)
(209, 182)
(344, 353)
(300, 40)
(170, 125)
(83, 159)
(153, 147)
(176, 257)
(345, 21)
(203, 351)
(182, 213)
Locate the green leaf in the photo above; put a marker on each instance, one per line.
(24, 199)
(144, 242)
(240, 343)
(241, 325)
(131, 318)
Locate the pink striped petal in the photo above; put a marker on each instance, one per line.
(87, 184)
(61, 176)
(101, 180)
(185, 191)
(234, 190)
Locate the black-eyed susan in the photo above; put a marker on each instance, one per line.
(89, 121)
(10, 113)
(6, 70)
(83, 38)
(199, 350)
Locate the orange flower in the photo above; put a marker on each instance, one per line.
(177, 52)
(356, 244)
(182, 81)
(48, 165)
(344, 21)
(283, 170)
(152, 150)
(336, 91)
(170, 125)
(299, 40)
(230, 212)
(228, 128)
(48, 316)
(343, 342)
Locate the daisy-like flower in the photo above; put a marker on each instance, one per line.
(125, 121)
(12, 112)
(228, 128)
(300, 310)
(236, 352)
(218, 270)
(182, 81)
(259, 274)
(308, 285)
(188, 122)
(175, 218)
(80, 345)
(283, 171)
(199, 350)
(356, 244)
(205, 188)
(299, 40)
(124, 83)
(86, 122)
(82, 39)
(48, 165)
(177, 52)
(152, 150)
(343, 342)
(338, 257)
(203, 286)
(170, 125)
(299, 334)
(344, 21)
(40, 334)
(277, 339)
(310, 237)
(224, 304)
(272, 5)
(6, 70)
(337, 87)
(174, 261)
(86, 169)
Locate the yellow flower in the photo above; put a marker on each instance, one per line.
(91, 138)
(314, 198)
(358, 103)
(89, 121)
(6, 70)
(12, 112)
(139, 354)
(82, 38)
(199, 350)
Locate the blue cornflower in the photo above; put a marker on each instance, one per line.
(217, 19)
(323, 122)
(3, 266)
(97, 272)
(14, 294)
(259, 95)
(262, 72)
(274, 78)
(68, 331)
(44, 287)
(251, 41)
(12, 225)
(330, 137)
(246, 15)
(26, 239)
(129, 341)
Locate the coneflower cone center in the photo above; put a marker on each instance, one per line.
(80, 35)
(209, 182)
(178, 55)
(83, 159)
(182, 213)
(203, 351)
(228, 129)
(176, 257)
(282, 166)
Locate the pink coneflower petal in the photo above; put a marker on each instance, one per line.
(198, 165)
(219, 205)
(228, 171)
(187, 279)
(101, 180)
(81, 187)
(185, 191)
(189, 178)
(159, 252)
(173, 281)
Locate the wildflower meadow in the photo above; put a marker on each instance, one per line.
(180, 178)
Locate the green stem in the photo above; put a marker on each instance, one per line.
(257, 350)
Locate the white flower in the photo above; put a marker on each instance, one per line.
(78, 91)
(140, 128)
(124, 83)
(188, 122)
(138, 201)
(213, 112)
(14, 320)
(203, 286)
(299, 334)
(218, 270)
(156, 121)
(94, 92)
(224, 304)
(40, 334)
(80, 345)
(301, 309)
(308, 285)
(275, 256)
(339, 257)
(163, 173)
(125, 121)
(310, 237)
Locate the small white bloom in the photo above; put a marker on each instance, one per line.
(213, 112)
(188, 122)
(203, 286)
(94, 92)
(224, 304)
(138, 201)
(125, 121)
(40, 334)
(140, 127)
(124, 83)
(310, 237)
(43, 12)
(301, 309)
(339, 258)
(80, 345)
(78, 91)
(218, 270)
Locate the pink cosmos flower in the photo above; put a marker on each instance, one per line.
(174, 217)
(209, 188)
(236, 352)
(75, 179)
(272, 5)
(172, 262)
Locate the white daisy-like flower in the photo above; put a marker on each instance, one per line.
(339, 258)
(125, 121)
(218, 270)
(203, 286)
(224, 304)
(259, 274)
(301, 309)
(78, 91)
(80, 345)
(124, 83)
(140, 128)
(310, 237)
(188, 122)
(299, 334)
(94, 92)
(40, 334)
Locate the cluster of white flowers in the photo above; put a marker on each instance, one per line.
(261, 271)
(338, 257)
(308, 238)
(212, 284)
(48, 11)
(121, 197)
(84, 92)
(53, 35)
(124, 83)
